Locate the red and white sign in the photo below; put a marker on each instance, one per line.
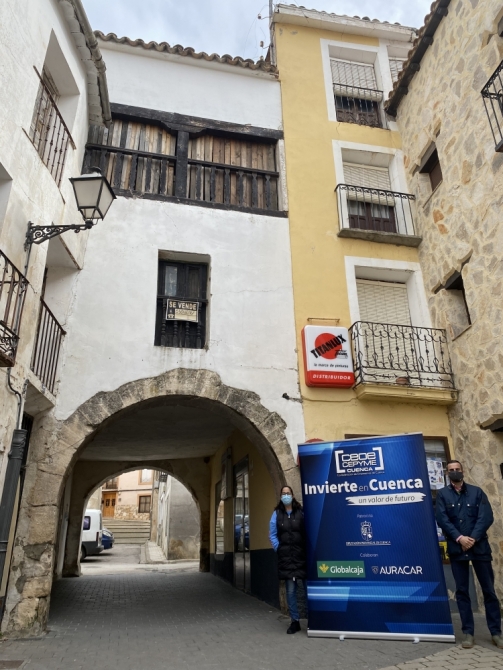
(327, 356)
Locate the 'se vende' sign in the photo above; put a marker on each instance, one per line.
(327, 356)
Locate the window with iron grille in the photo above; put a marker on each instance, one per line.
(357, 98)
(181, 305)
(144, 504)
(48, 130)
(396, 66)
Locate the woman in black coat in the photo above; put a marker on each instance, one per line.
(288, 538)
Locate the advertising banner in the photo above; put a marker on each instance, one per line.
(327, 357)
(374, 566)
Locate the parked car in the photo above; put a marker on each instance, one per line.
(107, 538)
(91, 543)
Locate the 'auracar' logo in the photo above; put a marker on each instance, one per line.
(341, 569)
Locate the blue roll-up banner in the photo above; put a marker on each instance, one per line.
(374, 566)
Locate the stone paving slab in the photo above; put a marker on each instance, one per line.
(456, 658)
(185, 620)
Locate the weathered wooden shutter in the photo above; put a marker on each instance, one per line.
(383, 302)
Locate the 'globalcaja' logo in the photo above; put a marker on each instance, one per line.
(359, 463)
(341, 569)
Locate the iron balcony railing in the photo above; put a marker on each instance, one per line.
(13, 287)
(492, 93)
(47, 347)
(387, 353)
(49, 132)
(111, 483)
(354, 104)
(375, 209)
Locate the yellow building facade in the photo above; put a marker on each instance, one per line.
(354, 246)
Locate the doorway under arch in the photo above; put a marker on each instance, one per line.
(184, 422)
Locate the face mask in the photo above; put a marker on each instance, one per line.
(455, 476)
(286, 499)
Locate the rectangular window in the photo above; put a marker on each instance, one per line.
(144, 504)
(181, 305)
(383, 302)
(431, 167)
(145, 476)
(371, 205)
(87, 523)
(48, 131)
(357, 98)
(396, 66)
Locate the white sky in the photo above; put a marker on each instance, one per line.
(227, 26)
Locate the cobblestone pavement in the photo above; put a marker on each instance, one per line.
(171, 617)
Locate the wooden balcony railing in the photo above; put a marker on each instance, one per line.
(402, 355)
(47, 348)
(49, 132)
(13, 287)
(148, 161)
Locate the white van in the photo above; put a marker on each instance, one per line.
(91, 534)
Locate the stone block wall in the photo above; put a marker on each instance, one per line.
(461, 224)
(130, 512)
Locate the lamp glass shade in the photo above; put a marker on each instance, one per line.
(93, 194)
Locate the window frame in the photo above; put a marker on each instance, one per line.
(162, 333)
(140, 502)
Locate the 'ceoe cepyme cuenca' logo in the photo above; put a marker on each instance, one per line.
(359, 462)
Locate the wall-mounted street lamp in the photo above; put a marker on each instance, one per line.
(93, 194)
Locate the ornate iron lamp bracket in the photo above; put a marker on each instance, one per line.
(39, 234)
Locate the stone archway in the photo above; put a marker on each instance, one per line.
(55, 448)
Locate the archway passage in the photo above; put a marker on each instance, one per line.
(228, 450)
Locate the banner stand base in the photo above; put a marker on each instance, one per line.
(361, 635)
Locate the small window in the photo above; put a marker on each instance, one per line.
(357, 98)
(455, 305)
(396, 66)
(87, 523)
(431, 167)
(144, 504)
(145, 476)
(181, 305)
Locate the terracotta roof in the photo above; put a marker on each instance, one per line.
(424, 39)
(178, 50)
(346, 16)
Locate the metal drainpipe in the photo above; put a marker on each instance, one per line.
(15, 460)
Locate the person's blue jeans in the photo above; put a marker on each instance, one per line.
(485, 575)
(291, 596)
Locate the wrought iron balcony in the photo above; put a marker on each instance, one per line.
(49, 133)
(47, 347)
(401, 355)
(492, 93)
(111, 483)
(13, 287)
(377, 211)
(354, 104)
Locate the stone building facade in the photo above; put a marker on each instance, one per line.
(439, 107)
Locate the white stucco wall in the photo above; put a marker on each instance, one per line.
(185, 85)
(250, 334)
(28, 191)
(251, 342)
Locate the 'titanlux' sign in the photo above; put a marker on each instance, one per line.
(327, 356)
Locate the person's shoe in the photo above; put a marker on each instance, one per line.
(498, 641)
(294, 628)
(468, 641)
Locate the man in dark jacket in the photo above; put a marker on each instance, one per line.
(464, 514)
